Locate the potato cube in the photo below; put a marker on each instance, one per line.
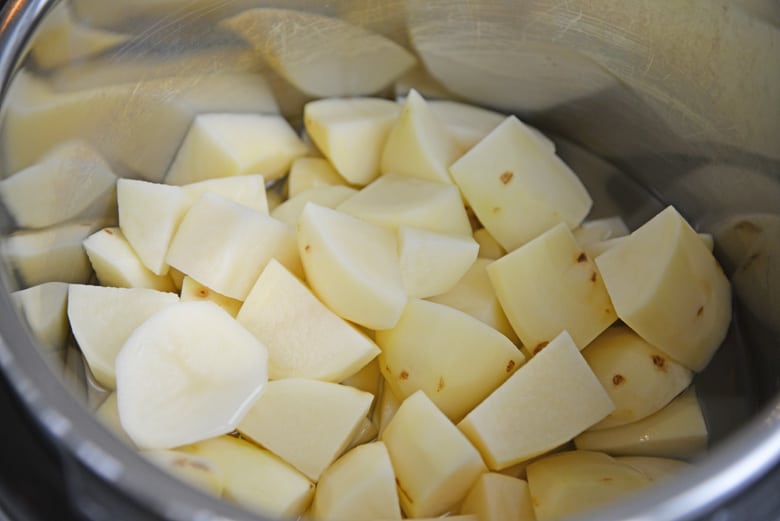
(328, 196)
(311, 172)
(248, 190)
(495, 497)
(45, 308)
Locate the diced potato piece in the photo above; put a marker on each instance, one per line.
(149, 215)
(311, 172)
(547, 402)
(575, 482)
(50, 255)
(256, 479)
(102, 319)
(432, 263)
(595, 249)
(328, 196)
(435, 465)
(676, 431)
(669, 288)
(224, 145)
(193, 470)
(351, 133)
(352, 266)
(70, 181)
(368, 379)
(192, 290)
(386, 409)
(108, 414)
(45, 308)
(639, 378)
(517, 187)
(600, 230)
(116, 263)
(328, 56)
(304, 338)
(419, 145)
(454, 358)
(225, 245)
(308, 423)
(473, 294)
(189, 373)
(488, 246)
(393, 201)
(359, 486)
(549, 285)
(495, 497)
(656, 469)
(248, 190)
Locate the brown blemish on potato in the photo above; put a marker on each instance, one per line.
(510, 365)
(496, 209)
(659, 362)
(540, 346)
(440, 384)
(606, 479)
(404, 375)
(582, 257)
(618, 379)
(203, 292)
(506, 177)
(593, 277)
(700, 311)
(307, 248)
(404, 492)
(747, 226)
(750, 260)
(108, 231)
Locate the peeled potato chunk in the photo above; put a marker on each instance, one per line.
(351, 133)
(666, 285)
(103, 318)
(224, 145)
(549, 285)
(676, 431)
(495, 497)
(311, 172)
(45, 308)
(359, 486)
(328, 196)
(256, 479)
(194, 470)
(225, 245)
(432, 263)
(517, 187)
(393, 201)
(656, 469)
(248, 190)
(454, 358)
(190, 372)
(575, 482)
(639, 378)
(435, 465)
(308, 423)
(547, 402)
(304, 338)
(352, 266)
(419, 145)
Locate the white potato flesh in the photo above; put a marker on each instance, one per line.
(676, 431)
(225, 245)
(193, 470)
(488, 246)
(248, 190)
(192, 290)
(102, 319)
(256, 479)
(190, 372)
(432, 263)
(358, 486)
(496, 497)
(116, 263)
(149, 215)
(328, 56)
(454, 358)
(656, 469)
(599, 230)
(289, 411)
(474, 294)
(351, 133)
(352, 266)
(419, 145)
(368, 379)
(575, 482)
(49, 255)
(225, 145)
(549, 285)
(328, 196)
(594, 249)
(45, 308)
(435, 465)
(304, 338)
(639, 378)
(311, 172)
(545, 403)
(394, 200)
(518, 188)
(108, 414)
(666, 285)
(70, 181)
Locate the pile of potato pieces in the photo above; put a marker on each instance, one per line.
(422, 327)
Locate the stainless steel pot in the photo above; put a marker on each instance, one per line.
(664, 102)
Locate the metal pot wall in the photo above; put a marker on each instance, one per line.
(656, 103)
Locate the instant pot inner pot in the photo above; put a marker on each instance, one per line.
(650, 104)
